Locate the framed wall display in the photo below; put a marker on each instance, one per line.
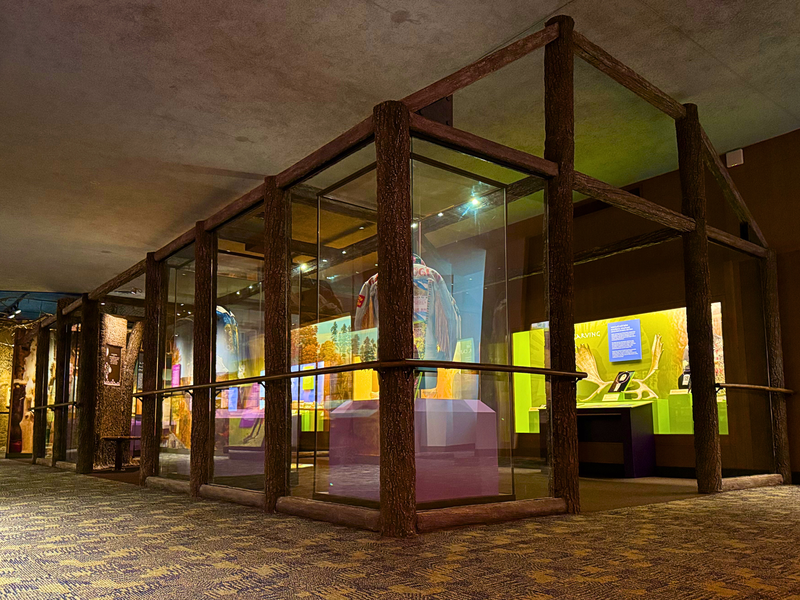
(112, 365)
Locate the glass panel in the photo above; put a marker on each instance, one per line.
(176, 409)
(51, 391)
(240, 301)
(333, 322)
(745, 416)
(73, 413)
(463, 439)
(6, 361)
(460, 207)
(239, 437)
(239, 353)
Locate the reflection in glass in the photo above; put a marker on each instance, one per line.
(176, 409)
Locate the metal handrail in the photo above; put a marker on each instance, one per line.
(377, 365)
(758, 388)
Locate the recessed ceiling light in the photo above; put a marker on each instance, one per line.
(440, 215)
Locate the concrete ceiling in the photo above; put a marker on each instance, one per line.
(125, 122)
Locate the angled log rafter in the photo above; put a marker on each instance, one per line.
(603, 61)
(480, 69)
(729, 189)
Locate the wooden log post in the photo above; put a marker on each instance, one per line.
(155, 280)
(277, 424)
(203, 335)
(62, 381)
(772, 321)
(395, 342)
(697, 276)
(88, 367)
(559, 147)
(40, 393)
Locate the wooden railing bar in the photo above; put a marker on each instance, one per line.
(757, 388)
(376, 365)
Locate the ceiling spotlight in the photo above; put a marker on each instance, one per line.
(12, 316)
(102, 304)
(476, 202)
(19, 310)
(414, 225)
(440, 215)
(238, 292)
(324, 260)
(304, 267)
(344, 251)
(362, 227)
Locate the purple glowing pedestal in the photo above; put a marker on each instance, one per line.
(455, 444)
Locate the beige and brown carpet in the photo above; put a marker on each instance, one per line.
(68, 536)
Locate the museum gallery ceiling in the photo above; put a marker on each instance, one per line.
(124, 123)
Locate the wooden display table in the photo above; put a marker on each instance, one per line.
(119, 439)
(614, 433)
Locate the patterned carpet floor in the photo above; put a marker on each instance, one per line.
(68, 536)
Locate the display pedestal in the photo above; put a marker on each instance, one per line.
(455, 443)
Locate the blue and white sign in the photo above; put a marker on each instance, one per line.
(625, 341)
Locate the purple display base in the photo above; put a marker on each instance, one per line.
(455, 443)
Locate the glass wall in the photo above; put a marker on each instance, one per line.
(51, 392)
(335, 438)
(73, 412)
(176, 409)
(122, 367)
(736, 283)
(239, 352)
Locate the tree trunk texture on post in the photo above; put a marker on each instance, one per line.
(395, 333)
(708, 461)
(155, 282)
(87, 384)
(40, 395)
(20, 423)
(559, 147)
(115, 403)
(772, 318)
(62, 384)
(203, 334)
(276, 343)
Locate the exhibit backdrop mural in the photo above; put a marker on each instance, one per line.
(654, 347)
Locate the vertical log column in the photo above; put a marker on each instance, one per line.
(63, 332)
(40, 393)
(203, 336)
(87, 384)
(559, 147)
(708, 458)
(276, 343)
(395, 333)
(772, 319)
(154, 282)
